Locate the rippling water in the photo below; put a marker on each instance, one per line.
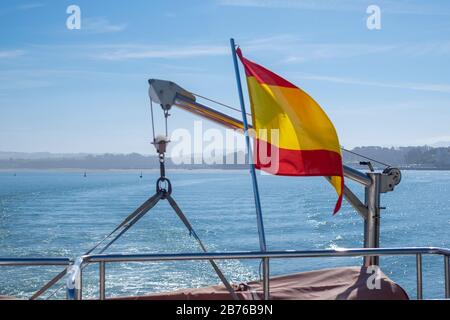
(63, 214)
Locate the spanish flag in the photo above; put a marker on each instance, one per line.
(293, 135)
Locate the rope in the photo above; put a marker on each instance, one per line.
(219, 103)
(153, 201)
(153, 120)
(367, 158)
(237, 110)
(191, 230)
(166, 115)
(126, 224)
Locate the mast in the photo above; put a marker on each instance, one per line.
(259, 218)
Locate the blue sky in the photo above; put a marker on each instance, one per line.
(86, 90)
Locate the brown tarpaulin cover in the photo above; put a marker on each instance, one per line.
(349, 283)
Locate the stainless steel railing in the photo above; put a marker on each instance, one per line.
(76, 284)
(30, 262)
(35, 262)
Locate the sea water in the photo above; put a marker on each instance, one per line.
(62, 214)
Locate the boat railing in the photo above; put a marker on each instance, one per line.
(75, 279)
(36, 262)
(74, 282)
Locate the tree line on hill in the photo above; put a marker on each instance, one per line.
(404, 157)
(424, 157)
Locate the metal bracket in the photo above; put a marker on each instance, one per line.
(390, 178)
(165, 92)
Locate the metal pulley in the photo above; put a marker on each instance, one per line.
(390, 178)
(394, 173)
(165, 92)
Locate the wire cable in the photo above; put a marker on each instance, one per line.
(153, 120)
(248, 114)
(219, 103)
(166, 116)
(365, 157)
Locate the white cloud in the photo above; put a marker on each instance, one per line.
(330, 51)
(5, 54)
(170, 15)
(277, 42)
(290, 50)
(295, 49)
(127, 52)
(291, 4)
(287, 46)
(299, 52)
(29, 6)
(388, 6)
(101, 25)
(433, 87)
(22, 7)
(439, 141)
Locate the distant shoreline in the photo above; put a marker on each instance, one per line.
(75, 170)
(202, 170)
(405, 158)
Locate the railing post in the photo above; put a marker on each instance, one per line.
(266, 278)
(447, 276)
(79, 288)
(102, 276)
(372, 222)
(74, 282)
(419, 276)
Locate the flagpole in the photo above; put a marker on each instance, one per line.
(259, 218)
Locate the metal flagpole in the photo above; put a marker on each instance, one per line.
(259, 218)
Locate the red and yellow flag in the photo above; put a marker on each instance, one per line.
(305, 143)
